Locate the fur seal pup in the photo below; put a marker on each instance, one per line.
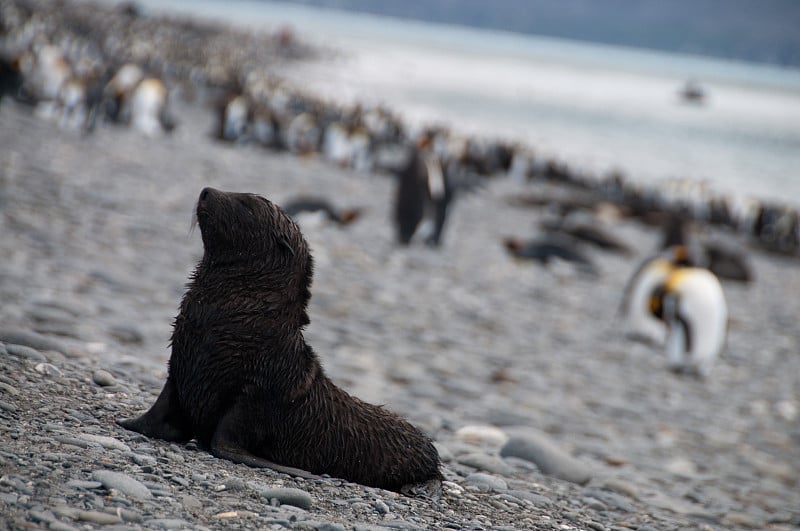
(242, 379)
(692, 304)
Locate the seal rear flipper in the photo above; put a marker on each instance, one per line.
(164, 420)
(225, 447)
(242, 456)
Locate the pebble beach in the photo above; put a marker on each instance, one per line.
(546, 416)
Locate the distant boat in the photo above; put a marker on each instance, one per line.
(693, 92)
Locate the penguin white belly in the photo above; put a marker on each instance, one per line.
(235, 118)
(147, 104)
(335, 144)
(702, 306)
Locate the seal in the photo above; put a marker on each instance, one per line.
(243, 381)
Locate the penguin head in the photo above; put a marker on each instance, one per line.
(680, 255)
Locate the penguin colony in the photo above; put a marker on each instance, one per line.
(86, 66)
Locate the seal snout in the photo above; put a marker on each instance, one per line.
(206, 192)
(205, 199)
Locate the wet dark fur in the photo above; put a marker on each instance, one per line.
(242, 380)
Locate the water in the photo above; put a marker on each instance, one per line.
(599, 107)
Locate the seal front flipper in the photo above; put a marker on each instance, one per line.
(224, 446)
(164, 420)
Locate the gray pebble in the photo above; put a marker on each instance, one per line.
(183, 482)
(6, 406)
(129, 516)
(595, 504)
(328, 526)
(28, 353)
(550, 459)
(360, 506)
(96, 517)
(190, 502)
(536, 499)
(103, 378)
(42, 517)
(126, 334)
(401, 524)
(9, 498)
(3, 351)
(612, 499)
(486, 462)
(72, 441)
(622, 487)
(288, 496)
(123, 483)
(50, 315)
(32, 340)
(381, 507)
(48, 369)
(168, 523)
(58, 525)
(144, 460)
(486, 482)
(8, 389)
(174, 456)
(17, 484)
(63, 511)
(89, 485)
(108, 443)
(234, 484)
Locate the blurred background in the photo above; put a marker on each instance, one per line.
(603, 85)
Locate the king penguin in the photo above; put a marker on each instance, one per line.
(640, 324)
(692, 304)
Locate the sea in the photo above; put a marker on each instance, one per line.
(600, 108)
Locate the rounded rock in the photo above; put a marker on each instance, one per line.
(486, 462)
(108, 443)
(123, 483)
(550, 459)
(103, 378)
(48, 369)
(96, 517)
(28, 353)
(482, 435)
(486, 482)
(288, 496)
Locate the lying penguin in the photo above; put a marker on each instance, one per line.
(299, 205)
(692, 304)
(549, 247)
